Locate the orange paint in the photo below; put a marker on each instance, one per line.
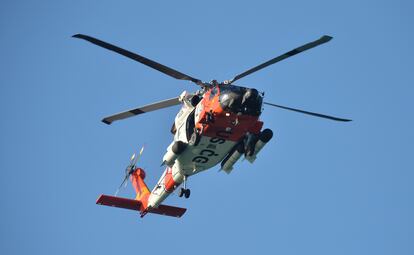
(169, 181)
(137, 179)
(227, 125)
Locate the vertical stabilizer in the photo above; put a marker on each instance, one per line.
(137, 179)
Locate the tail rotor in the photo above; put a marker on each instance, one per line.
(130, 169)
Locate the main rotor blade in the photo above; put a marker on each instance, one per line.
(291, 53)
(309, 113)
(143, 109)
(148, 62)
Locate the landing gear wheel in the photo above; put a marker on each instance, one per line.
(181, 192)
(184, 192)
(187, 193)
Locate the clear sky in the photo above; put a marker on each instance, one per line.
(320, 187)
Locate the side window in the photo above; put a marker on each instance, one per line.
(190, 125)
(213, 92)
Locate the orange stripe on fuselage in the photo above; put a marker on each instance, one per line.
(169, 182)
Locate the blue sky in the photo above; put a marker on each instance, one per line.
(320, 187)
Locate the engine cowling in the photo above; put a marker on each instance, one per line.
(172, 154)
(264, 137)
(231, 159)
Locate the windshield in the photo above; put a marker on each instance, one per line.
(238, 99)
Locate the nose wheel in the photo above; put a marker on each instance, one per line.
(184, 191)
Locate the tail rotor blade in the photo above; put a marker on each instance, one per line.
(135, 159)
(122, 184)
(132, 159)
(139, 155)
(135, 162)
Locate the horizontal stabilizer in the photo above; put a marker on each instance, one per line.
(120, 202)
(168, 210)
(133, 204)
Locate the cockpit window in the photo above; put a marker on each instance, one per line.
(239, 99)
(234, 89)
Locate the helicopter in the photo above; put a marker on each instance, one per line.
(217, 124)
